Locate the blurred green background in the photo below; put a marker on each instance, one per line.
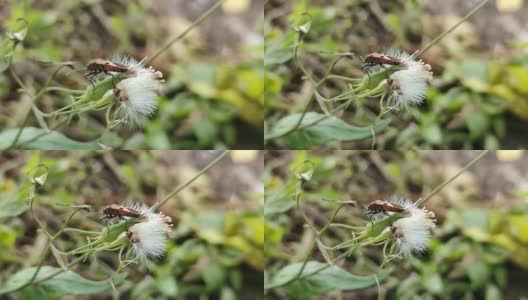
(478, 249)
(215, 250)
(213, 96)
(478, 98)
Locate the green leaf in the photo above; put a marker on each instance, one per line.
(273, 233)
(519, 78)
(329, 128)
(476, 218)
(65, 283)
(332, 278)
(168, 287)
(7, 237)
(277, 55)
(475, 69)
(433, 283)
(227, 294)
(213, 275)
(493, 292)
(433, 134)
(279, 201)
(491, 143)
(478, 124)
(13, 202)
(206, 132)
(479, 273)
(37, 138)
(278, 49)
(6, 50)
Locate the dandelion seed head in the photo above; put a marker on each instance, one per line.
(399, 54)
(128, 61)
(412, 232)
(402, 202)
(409, 85)
(149, 237)
(410, 79)
(137, 94)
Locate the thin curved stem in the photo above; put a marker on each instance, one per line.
(197, 22)
(441, 186)
(33, 101)
(184, 185)
(441, 36)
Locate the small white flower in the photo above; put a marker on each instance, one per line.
(399, 54)
(402, 202)
(148, 237)
(409, 84)
(128, 61)
(137, 96)
(413, 231)
(138, 206)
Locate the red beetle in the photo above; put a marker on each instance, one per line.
(377, 59)
(114, 210)
(379, 206)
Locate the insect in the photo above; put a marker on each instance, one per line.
(379, 206)
(98, 66)
(377, 59)
(117, 211)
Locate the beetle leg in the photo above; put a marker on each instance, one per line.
(369, 214)
(90, 76)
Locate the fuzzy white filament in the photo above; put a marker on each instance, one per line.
(413, 231)
(137, 96)
(149, 236)
(128, 61)
(409, 83)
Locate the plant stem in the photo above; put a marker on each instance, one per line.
(73, 262)
(64, 90)
(184, 185)
(314, 85)
(438, 38)
(33, 101)
(318, 234)
(438, 188)
(329, 75)
(184, 33)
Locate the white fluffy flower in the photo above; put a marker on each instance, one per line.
(400, 55)
(149, 236)
(412, 232)
(128, 61)
(137, 95)
(409, 84)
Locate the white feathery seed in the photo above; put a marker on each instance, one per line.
(128, 61)
(402, 202)
(401, 55)
(413, 231)
(138, 206)
(137, 96)
(149, 237)
(408, 84)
